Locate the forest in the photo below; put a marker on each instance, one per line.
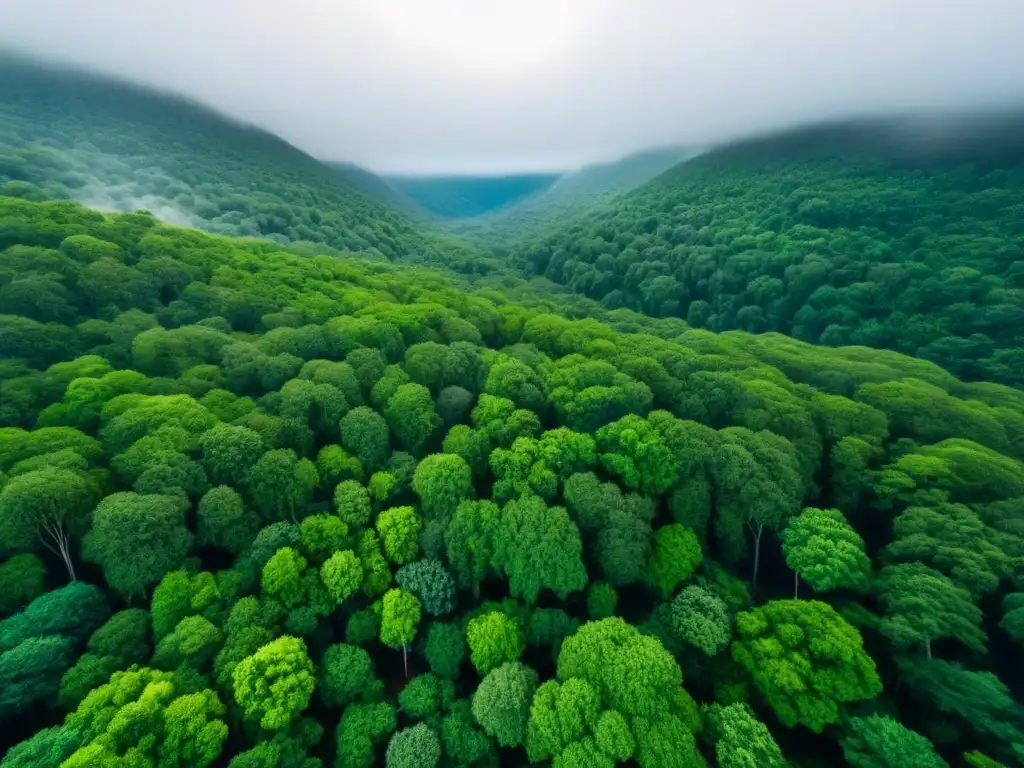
(726, 470)
(873, 233)
(262, 507)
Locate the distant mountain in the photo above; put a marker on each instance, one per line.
(459, 197)
(117, 146)
(377, 187)
(570, 195)
(906, 234)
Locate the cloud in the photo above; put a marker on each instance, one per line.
(500, 85)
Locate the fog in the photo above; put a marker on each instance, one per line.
(442, 86)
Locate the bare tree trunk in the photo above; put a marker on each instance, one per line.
(476, 591)
(405, 659)
(63, 548)
(796, 585)
(928, 649)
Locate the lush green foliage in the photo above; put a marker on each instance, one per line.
(250, 495)
(853, 233)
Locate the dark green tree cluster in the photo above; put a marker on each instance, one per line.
(266, 509)
(855, 233)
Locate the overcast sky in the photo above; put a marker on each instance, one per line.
(504, 85)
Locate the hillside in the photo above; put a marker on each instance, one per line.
(906, 235)
(261, 508)
(572, 194)
(459, 197)
(118, 146)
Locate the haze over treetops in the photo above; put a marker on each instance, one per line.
(675, 461)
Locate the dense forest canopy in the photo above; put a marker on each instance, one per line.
(320, 486)
(266, 508)
(901, 234)
(117, 146)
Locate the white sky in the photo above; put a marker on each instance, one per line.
(505, 85)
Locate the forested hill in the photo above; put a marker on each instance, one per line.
(572, 194)
(118, 146)
(265, 509)
(902, 234)
(459, 197)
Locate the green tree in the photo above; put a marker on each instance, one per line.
(539, 547)
(281, 485)
(442, 481)
(470, 542)
(822, 548)
(634, 451)
(347, 675)
(352, 503)
(921, 606)
(494, 639)
(805, 660)
(399, 619)
(341, 574)
(223, 521)
(229, 453)
(48, 507)
(414, 747)
(432, 585)
(740, 739)
(21, 581)
(412, 417)
(365, 434)
(701, 619)
(399, 529)
(445, 649)
(881, 742)
(601, 600)
(137, 538)
(32, 671)
(501, 703)
(676, 556)
(362, 727)
(274, 685)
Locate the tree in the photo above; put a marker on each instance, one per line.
(346, 675)
(805, 660)
(365, 434)
(494, 639)
(442, 481)
(229, 453)
(223, 521)
(137, 538)
(432, 585)
(561, 714)
(32, 671)
(539, 547)
(741, 740)
(881, 742)
(701, 619)
(399, 529)
(341, 574)
(21, 581)
(462, 741)
(334, 465)
(362, 727)
(676, 556)
(634, 451)
(281, 485)
(414, 747)
(501, 703)
(50, 507)
(921, 606)
(822, 548)
(445, 649)
(471, 541)
(352, 503)
(412, 417)
(399, 619)
(273, 685)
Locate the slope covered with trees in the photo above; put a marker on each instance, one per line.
(571, 195)
(907, 235)
(118, 146)
(459, 197)
(262, 508)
